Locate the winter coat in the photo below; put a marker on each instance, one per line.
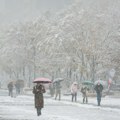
(98, 89)
(10, 86)
(58, 87)
(84, 91)
(38, 91)
(74, 88)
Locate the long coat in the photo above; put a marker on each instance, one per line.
(38, 91)
(98, 89)
(58, 87)
(84, 91)
(10, 86)
(74, 88)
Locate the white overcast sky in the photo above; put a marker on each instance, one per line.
(19, 10)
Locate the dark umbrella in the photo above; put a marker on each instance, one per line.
(42, 80)
(58, 80)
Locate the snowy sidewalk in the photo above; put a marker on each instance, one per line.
(22, 108)
(107, 101)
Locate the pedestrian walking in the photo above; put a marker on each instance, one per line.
(84, 91)
(38, 91)
(99, 88)
(10, 89)
(17, 87)
(74, 89)
(52, 89)
(57, 90)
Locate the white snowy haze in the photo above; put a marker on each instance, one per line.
(12, 11)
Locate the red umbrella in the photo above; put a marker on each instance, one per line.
(42, 80)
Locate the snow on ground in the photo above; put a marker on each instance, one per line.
(22, 108)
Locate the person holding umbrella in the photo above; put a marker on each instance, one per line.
(99, 88)
(38, 91)
(57, 90)
(84, 91)
(10, 88)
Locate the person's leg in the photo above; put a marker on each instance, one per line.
(72, 97)
(59, 95)
(98, 102)
(12, 93)
(86, 99)
(56, 95)
(9, 93)
(38, 111)
(19, 91)
(83, 98)
(98, 99)
(75, 97)
(16, 92)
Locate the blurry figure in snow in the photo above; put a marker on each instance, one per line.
(17, 87)
(74, 89)
(84, 91)
(14, 91)
(52, 89)
(98, 88)
(57, 90)
(10, 89)
(38, 91)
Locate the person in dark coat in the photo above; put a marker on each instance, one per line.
(38, 91)
(10, 89)
(98, 88)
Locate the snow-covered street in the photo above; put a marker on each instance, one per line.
(22, 108)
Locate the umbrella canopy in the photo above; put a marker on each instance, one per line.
(12, 82)
(42, 80)
(87, 82)
(58, 80)
(20, 83)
